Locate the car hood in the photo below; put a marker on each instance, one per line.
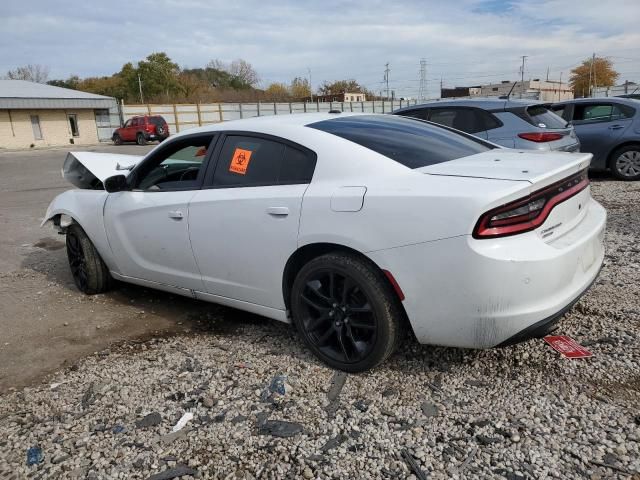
(507, 164)
(90, 169)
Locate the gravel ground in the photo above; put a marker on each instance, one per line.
(518, 412)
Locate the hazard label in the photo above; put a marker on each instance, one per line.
(240, 161)
(567, 346)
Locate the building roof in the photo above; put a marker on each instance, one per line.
(20, 94)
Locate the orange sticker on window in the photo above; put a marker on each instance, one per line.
(240, 161)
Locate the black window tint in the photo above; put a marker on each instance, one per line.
(412, 143)
(469, 120)
(157, 121)
(542, 117)
(297, 166)
(421, 113)
(488, 121)
(246, 161)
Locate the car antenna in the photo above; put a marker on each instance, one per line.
(512, 87)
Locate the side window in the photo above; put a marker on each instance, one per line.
(487, 121)
(559, 110)
(421, 113)
(177, 166)
(466, 119)
(297, 166)
(592, 113)
(251, 161)
(248, 161)
(127, 123)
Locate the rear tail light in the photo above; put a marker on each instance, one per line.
(530, 212)
(540, 137)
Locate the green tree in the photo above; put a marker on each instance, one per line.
(599, 70)
(341, 86)
(71, 82)
(159, 75)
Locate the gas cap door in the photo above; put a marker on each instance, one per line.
(348, 199)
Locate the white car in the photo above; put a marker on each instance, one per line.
(355, 227)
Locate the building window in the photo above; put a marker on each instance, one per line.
(495, 89)
(35, 125)
(73, 124)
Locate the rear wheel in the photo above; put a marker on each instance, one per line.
(90, 274)
(625, 163)
(117, 139)
(140, 140)
(346, 312)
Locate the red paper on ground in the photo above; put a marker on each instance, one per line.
(567, 346)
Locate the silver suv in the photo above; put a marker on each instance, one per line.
(522, 124)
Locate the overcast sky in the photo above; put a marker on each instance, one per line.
(464, 42)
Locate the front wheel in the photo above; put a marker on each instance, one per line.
(346, 312)
(117, 139)
(625, 163)
(89, 272)
(140, 140)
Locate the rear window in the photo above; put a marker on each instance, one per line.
(542, 117)
(157, 121)
(412, 143)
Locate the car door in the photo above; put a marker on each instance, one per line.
(599, 125)
(147, 226)
(244, 222)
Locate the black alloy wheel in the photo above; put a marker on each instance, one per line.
(346, 312)
(117, 139)
(140, 140)
(90, 274)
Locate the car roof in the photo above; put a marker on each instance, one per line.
(259, 123)
(485, 103)
(625, 101)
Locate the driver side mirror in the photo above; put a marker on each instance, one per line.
(116, 183)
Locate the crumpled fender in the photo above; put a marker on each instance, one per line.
(86, 208)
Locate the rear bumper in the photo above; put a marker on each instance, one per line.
(463, 292)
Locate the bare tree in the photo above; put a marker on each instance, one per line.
(31, 73)
(244, 71)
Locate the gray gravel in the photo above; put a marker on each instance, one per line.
(518, 412)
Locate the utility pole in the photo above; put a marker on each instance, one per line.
(140, 88)
(560, 89)
(386, 77)
(590, 74)
(423, 79)
(595, 80)
(440, 87)
(524, 57)
(310, 87)
(547, 74)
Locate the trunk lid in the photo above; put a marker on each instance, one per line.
(537, 168)
(89, 169)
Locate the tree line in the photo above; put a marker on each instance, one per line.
(158, 79)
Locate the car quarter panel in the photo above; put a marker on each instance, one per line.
(473, 293)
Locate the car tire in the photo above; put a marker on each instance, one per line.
(89, 272)
(140, 140)
(625, 162)
(346, 312)
(117, 139)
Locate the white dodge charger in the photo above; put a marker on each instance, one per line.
(355, 227)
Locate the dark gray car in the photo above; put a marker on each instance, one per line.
(523, 124)
(610, 129)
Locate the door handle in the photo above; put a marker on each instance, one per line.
(616, 127)
(278, 211)
(176, 214)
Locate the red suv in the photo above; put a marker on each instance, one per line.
(141, 130)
